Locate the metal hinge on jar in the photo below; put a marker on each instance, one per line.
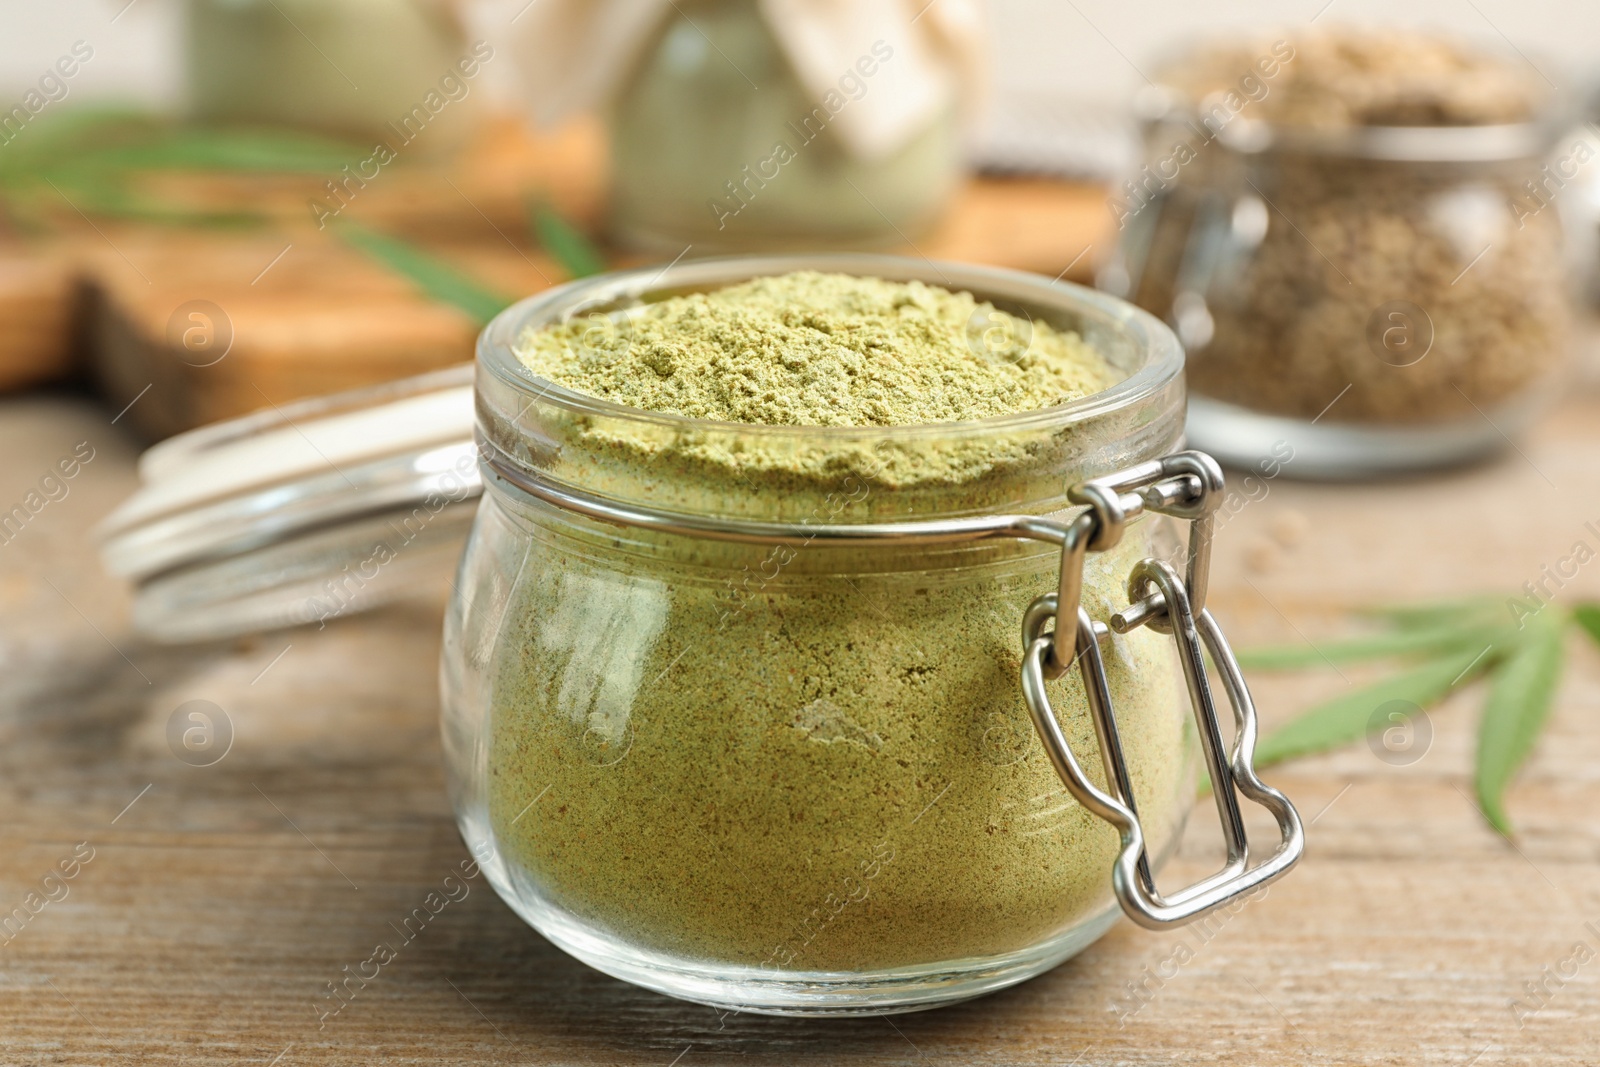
(1186, 485)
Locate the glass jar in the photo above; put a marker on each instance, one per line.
(312, 63)
(1369, 299)
(716, 143)
(739, 713)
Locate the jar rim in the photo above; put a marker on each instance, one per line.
(1505, 142)
(1163, 362)
(1500, 143)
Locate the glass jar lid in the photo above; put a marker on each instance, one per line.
(299, 513)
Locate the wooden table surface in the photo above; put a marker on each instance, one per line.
(220, 901)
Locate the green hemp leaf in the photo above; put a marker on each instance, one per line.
(565, 242)
(438, 279)
(1444, 647)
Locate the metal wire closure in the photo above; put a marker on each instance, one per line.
(1185, 485)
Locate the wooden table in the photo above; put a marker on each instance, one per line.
(220, 900)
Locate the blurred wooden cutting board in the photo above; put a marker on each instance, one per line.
(38, 298)
(285, 311)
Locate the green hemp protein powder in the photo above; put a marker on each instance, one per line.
(809, 757)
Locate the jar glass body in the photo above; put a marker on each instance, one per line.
(715, 142)
(798, 777)
(255, 61)
(1375, 314)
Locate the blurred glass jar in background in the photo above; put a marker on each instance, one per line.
(784, 124)
(361, 67)
(715, 141)
(1358, 240)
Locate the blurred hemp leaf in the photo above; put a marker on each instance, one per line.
(1588, 617)
(94, 159)
(1347, 718)
(1514, 713)
(440, 280)
(565, 242)
(1444, 647)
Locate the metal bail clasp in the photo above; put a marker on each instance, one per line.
(1184, 485)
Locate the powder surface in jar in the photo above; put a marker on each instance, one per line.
(814, 349)
(808, 757)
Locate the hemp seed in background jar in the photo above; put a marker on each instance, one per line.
(1354, 236)
(784, 124)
